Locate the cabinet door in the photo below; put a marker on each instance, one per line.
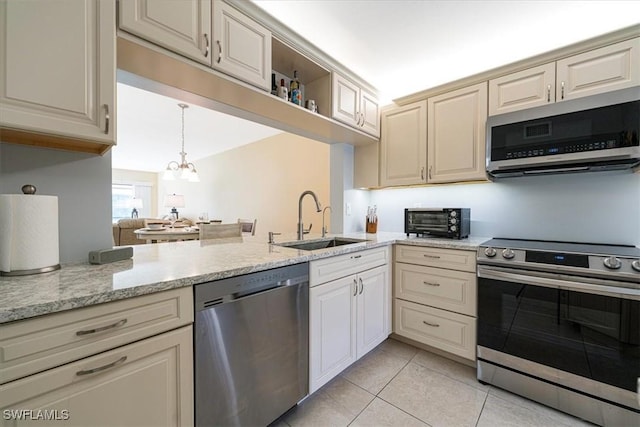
(601, 70)
(183, 27)
(332, 332)
(374, 307)
(149, 382)
(525, 89)
(366, 166)
(403, 145)
(456, 135)
(370, 114)
(242, 46)
(346, 100)
(58, 72)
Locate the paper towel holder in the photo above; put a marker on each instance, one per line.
(30, 189)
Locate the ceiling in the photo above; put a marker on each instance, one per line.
(399, 46)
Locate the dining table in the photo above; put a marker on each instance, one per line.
(167, 234)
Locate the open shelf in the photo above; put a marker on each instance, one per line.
(315, 80)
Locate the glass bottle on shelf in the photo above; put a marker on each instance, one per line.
(296, 94)
(274, 85)
(282, 90)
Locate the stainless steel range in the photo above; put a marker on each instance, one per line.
(559, 323)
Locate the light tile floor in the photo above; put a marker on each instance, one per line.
(399, 385)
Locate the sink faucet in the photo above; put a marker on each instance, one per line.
(324, 229)
(301, 230)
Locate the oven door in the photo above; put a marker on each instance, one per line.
(582, 326)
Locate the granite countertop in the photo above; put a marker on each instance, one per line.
(158, 267)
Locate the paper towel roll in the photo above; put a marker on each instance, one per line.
(28, 233)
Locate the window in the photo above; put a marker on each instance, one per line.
(123, 194)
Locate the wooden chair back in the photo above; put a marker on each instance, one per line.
(219, 231)
(248, 226)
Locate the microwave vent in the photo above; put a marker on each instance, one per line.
(537, 130)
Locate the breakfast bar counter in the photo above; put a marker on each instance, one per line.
(156, 268)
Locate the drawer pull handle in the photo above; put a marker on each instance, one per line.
(103, 328)
(431, 256)
(435, 325)
(101, 368)
(361, 286)
(355, 287)
(431, 284)
(356, 256)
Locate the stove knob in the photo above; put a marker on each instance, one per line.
(490, 252)
(612, 263)
(453, 214)
(453, 220)
(508, 253)
(453, 228)
(636, 265)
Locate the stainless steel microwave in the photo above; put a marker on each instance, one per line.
(598, 132)
(453, 223)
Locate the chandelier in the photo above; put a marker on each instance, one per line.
(183, 169)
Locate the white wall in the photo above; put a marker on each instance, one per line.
(602, 207)
(262, 180)
(82, 183)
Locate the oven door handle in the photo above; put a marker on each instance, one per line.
(599, 287)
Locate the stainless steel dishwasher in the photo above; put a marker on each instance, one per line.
(251, 339)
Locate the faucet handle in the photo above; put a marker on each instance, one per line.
(271, 234)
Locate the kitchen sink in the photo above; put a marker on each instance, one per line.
(311, 245)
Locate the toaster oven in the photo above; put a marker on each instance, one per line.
(453, 223)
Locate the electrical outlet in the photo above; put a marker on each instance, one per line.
(347, 209)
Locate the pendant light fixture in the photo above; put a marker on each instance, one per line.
(183, 169)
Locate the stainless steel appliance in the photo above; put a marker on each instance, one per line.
(599, 132)
(251, 339)
(559, 323)
(454, 223)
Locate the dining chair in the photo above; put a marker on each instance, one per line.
(219, 231)
(248, 226)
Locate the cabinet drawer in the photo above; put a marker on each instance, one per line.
(455, 333)
(437, 287)
(149, 382)
(33, 345)
(453, 259)
(328, 269)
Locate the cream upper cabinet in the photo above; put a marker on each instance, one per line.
(208, 31)
(59, 65)
(456, 135)
(403, 145)
(601, 70)
(525, 89)
(242, 46)
(184, 27)
(355, 106)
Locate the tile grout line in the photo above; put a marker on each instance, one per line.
(482, 409)
(408, 413)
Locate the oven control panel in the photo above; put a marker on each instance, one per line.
(606, 266)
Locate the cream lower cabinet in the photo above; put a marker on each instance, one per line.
(403, 145)
(126, 363)
(58, 75)
(435, 298)
(349, 316)
(456, 135)
(149, 382)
